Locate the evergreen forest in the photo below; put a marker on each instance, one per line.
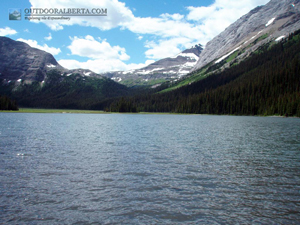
(7, 104)
(266, 83)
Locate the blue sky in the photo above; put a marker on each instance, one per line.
(133, 34)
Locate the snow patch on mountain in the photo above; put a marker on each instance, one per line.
(280, 38)
(225, 56)
(87, 74)
(51, 66)
(117, 79)
(191, 56)
(270, 21)
(253, 37)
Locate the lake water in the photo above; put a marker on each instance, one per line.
(148, 169)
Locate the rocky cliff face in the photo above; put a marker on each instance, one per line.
(165, 69)
(272, 21)
(20, 62)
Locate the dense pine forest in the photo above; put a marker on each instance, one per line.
(64, 92)
(7, 104)
(267, 83)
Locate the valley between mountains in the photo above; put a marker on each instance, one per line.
(251, 68)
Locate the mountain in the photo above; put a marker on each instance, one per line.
(273, 21)
(266, 83)
(171, 68)
(264, 24)
(251, 68)
(20, 62)
(35, 79)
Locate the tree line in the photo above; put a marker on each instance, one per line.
(266, 83)
(7, 104)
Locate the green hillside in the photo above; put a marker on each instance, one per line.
(266, 83)
(68, 92)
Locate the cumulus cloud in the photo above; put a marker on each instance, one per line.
(102, 56)
(166, 48)
(214, 18)
(102, 65)
(165, 26)
(45, 47)
(49, 37)
(164, 36)
(7, 31)
(117, 13)
(91, 48)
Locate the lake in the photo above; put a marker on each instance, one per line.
(148, 169)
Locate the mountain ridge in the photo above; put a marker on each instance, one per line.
(35, 79)
(278, 18)
(170, 68)
(20, 62)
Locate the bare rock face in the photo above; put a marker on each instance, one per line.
(275, 20)
(20, 61)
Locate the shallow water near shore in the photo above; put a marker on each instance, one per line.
(148, 169)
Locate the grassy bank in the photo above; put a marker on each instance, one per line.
(77, 111)
(34, 110)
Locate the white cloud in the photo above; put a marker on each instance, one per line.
(175, 16)
(49, 37)
(102, 65)
(102, 56)
(117, 13)
(213, 19)
(133, 66)
(45, 47)
(164, 26)
(166, 35)
(7, 31)
(166, 48)
(91, 48)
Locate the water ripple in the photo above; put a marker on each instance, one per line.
(148, 169)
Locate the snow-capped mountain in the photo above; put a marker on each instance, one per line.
(165, 69)
(270, 22)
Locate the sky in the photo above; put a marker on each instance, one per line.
(133, 34)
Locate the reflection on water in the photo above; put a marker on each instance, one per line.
(149, 169)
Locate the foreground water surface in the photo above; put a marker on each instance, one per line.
(148, 169)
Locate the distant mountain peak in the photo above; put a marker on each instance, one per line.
(169, 68)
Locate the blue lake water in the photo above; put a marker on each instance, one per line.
(148, 169)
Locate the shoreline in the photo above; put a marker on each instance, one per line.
(82, 111)
(62, 111)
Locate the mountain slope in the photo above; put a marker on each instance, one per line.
(20, 61)
(35, 79)
(170, 68)
(272, 21)
(266, 83)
